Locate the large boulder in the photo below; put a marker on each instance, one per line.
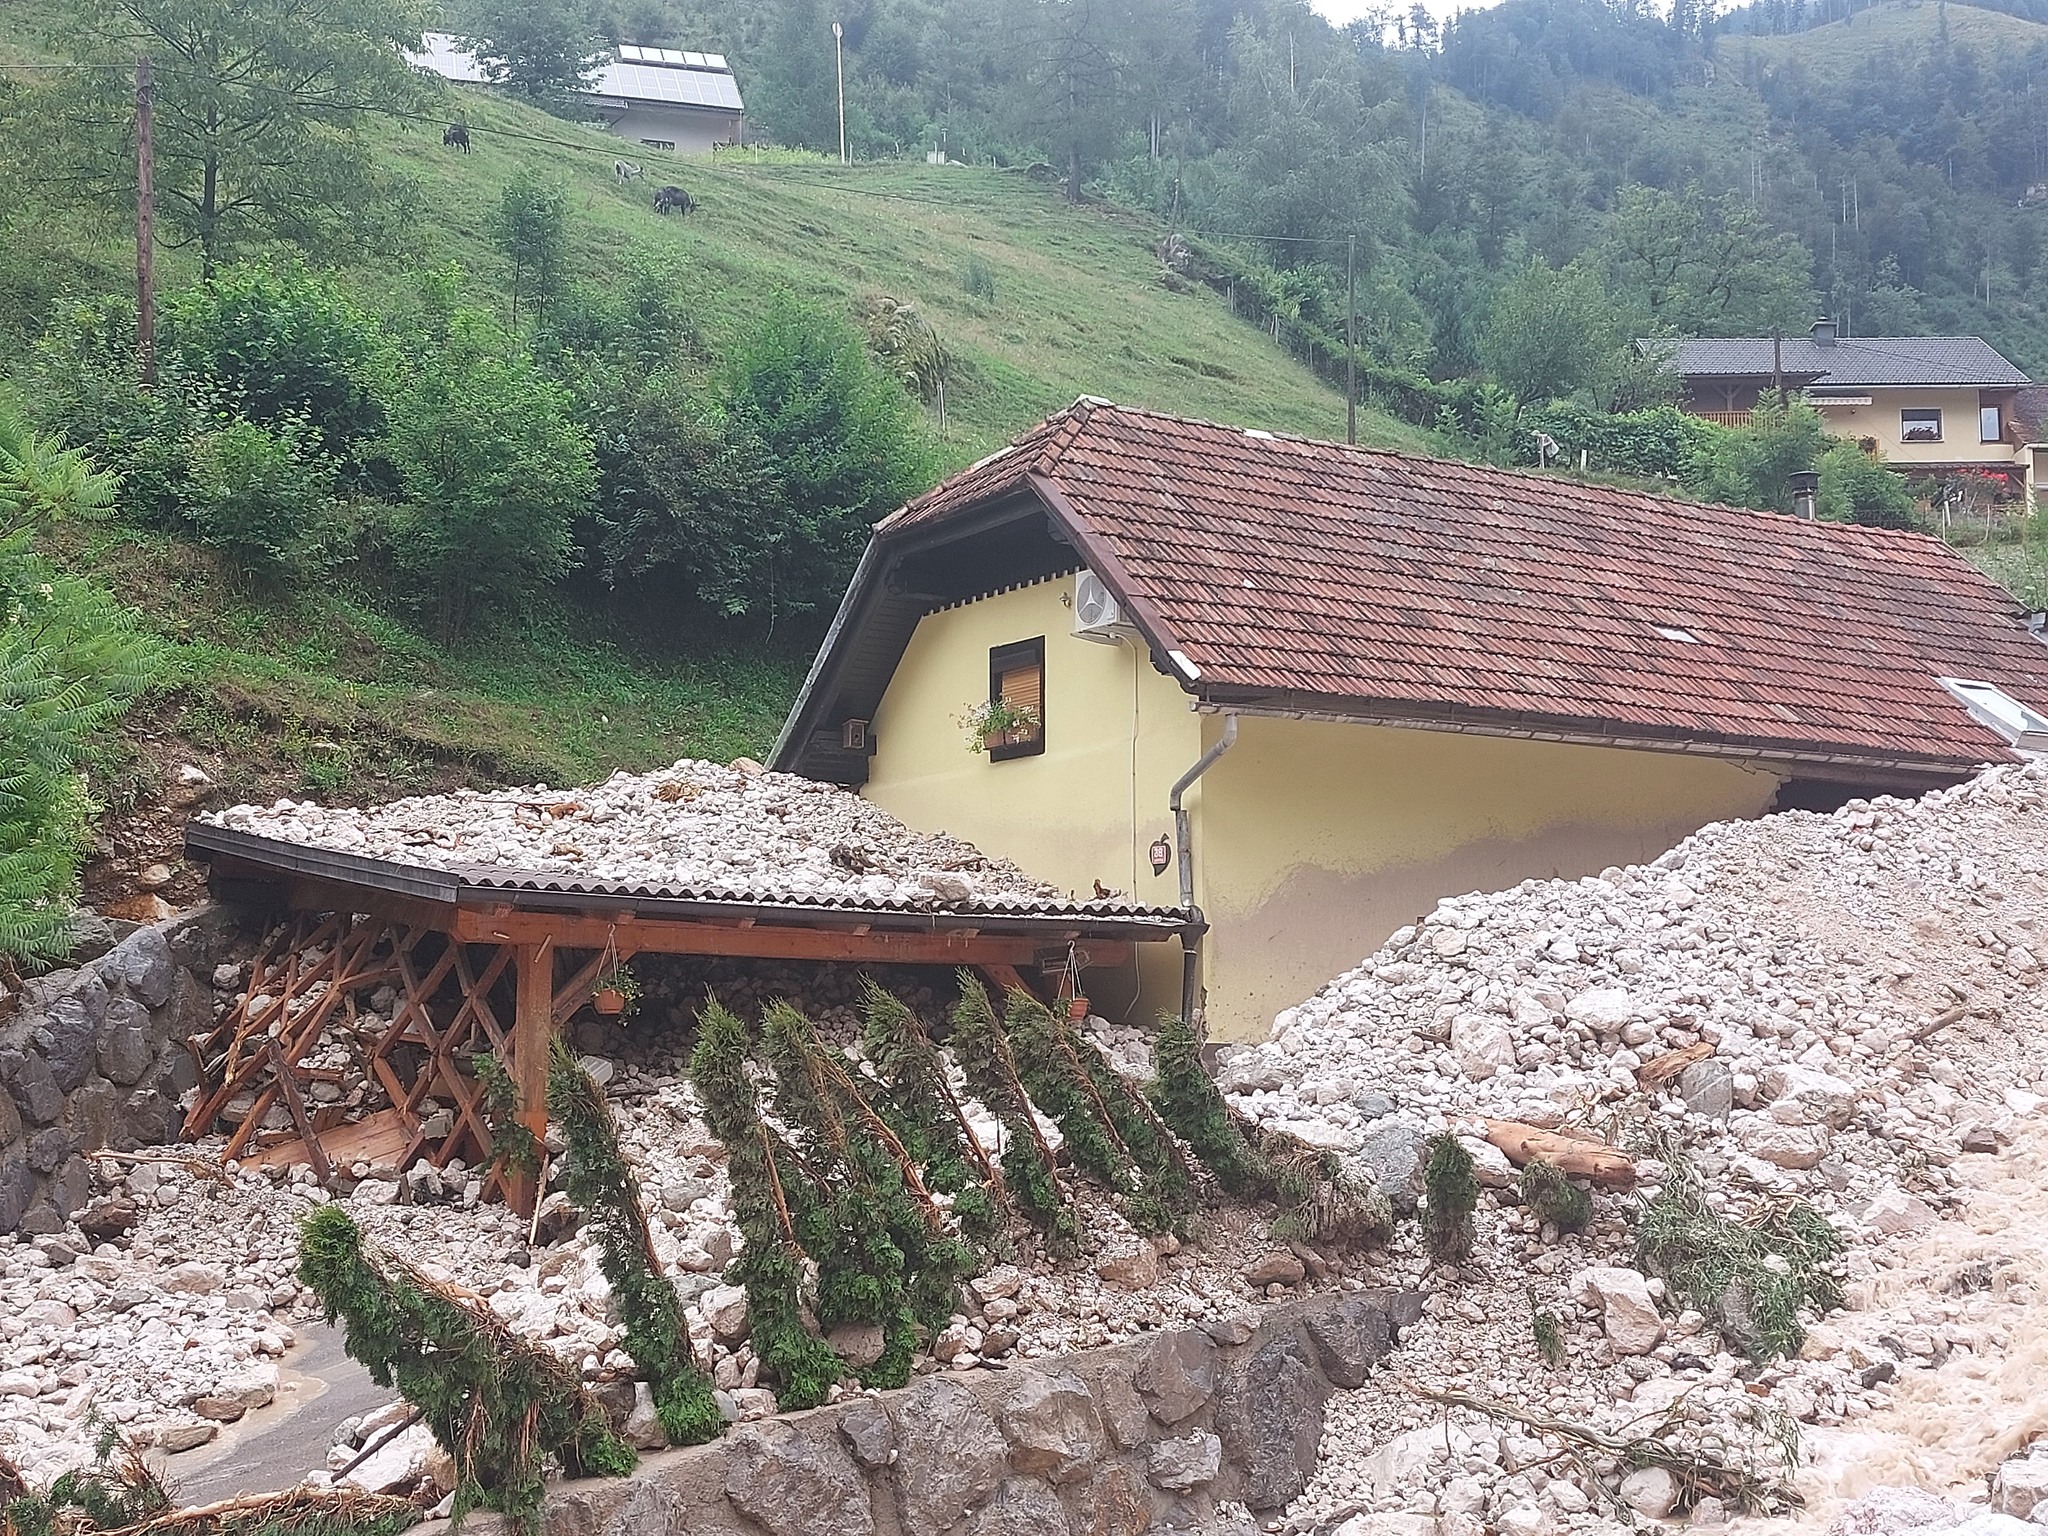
(1270, 1417)
(950, 1456)
(142, 963)
(1351, 1336)
(1801, 1095)
(125, 1051)
(1628, 1315)
(795, 1484)
(1394, 1155)
(32, 1086)
(1178, 1465)
(1177, 1374)
(69, 1034)
(1053, 1427)
(1021, 1507)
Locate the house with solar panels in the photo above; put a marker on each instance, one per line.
(669, 99)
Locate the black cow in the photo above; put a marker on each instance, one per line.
(455, 136)
(674, 200)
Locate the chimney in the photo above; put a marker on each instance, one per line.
(1805, 490)
(1823, 332)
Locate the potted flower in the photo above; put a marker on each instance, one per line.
(617, 992)
(1077, 1009)
(996, 723)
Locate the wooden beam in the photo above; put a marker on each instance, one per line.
(661, 937)
(533, 1033)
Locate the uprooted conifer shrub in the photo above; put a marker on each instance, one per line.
(1111, 1133)
(914, 1094)
(603, 1188)
(1450, 1195)
(984, 1055)
(890, 1260)
(771, 1193)
(1751, 1277)
(1554, 1199)
(1319, 1201)
(118, 1493)
(499, 1405)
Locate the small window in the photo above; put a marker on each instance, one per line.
(1919, 426)
(1676, 632)
(1990, 424)
(1016, 678)
(1997, 710)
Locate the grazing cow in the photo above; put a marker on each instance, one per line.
(674, 200)
(626, 171)
(455, 136)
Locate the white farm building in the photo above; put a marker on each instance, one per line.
(668, 99)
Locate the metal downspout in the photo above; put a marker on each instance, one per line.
(1191, 948)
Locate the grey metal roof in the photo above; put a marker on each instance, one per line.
(669, 77)
(1853, 362)
(476, 883)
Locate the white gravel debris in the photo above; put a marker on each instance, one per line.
(694, 827)
(1865, 993)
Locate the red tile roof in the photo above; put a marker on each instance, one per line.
(1394, 586)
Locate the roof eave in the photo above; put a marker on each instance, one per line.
(1762, 752)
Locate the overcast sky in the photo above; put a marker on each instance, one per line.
(1341, 11)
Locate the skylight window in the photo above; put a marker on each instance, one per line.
(1677, 632)
(1992, 707)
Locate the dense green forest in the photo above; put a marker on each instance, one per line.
(1704, 174)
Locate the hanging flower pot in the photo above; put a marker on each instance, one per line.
(617, 992)
(1077, 1008)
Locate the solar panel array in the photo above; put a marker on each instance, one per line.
(669, 76)
(634, 53)
(669, 85)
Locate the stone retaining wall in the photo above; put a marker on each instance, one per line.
(95, 1057)
(1149, 1436)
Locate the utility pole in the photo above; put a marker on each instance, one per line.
(145, 226)
(839, 58)
(1351, 339)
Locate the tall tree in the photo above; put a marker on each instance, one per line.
(532, 230)
(69, 662)
(540, 47)
(259, 106)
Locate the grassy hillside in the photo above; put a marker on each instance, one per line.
(1882, 35)
(331, 694)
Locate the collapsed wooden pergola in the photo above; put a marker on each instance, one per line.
(483, 959)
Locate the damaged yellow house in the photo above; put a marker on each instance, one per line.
(1310, 690)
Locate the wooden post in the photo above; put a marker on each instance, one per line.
(533, 1031)
(145, 225)
(1351, 339)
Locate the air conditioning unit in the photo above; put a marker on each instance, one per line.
(1097, 615)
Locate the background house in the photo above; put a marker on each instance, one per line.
(1929, 403)
(1431, 678)
(660, 98)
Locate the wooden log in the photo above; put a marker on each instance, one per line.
(1581, 1156)
(1667, 1068)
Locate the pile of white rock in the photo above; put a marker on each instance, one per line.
(1860, 1000)
(180, 1326)
(698, 827)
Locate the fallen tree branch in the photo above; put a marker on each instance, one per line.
(1706, 1467)
(1660, 1070)
(370, 1450)
(1588, 1159)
